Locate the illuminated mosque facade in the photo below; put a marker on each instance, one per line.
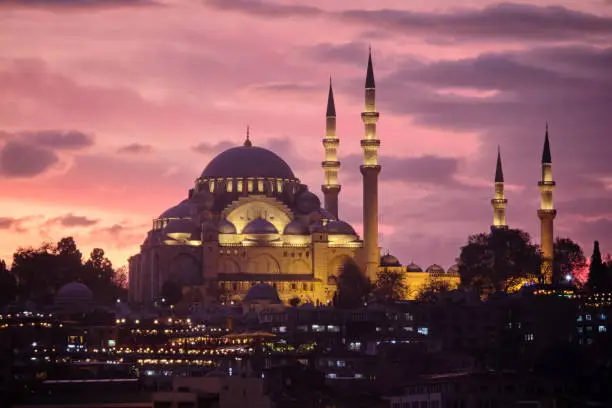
(249, 220)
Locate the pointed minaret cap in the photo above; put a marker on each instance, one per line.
(499, 173)
(546, 152)
(247, 141)
(369, 84)
(331, 106)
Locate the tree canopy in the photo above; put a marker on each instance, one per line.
(353, 287)
(432, 288)
(600, 279)
(499, 260)
(40, 272)
(389, 286)
(569, 260)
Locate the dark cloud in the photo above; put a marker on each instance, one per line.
(430, 170)
(71, 220)
(212, 148)
(505, 21)
(348, 53)
(265, 8)
(22, 160)
(287, 88)
(136, 148)
(58, 140)
(16, 224)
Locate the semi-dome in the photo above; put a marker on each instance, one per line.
(296, 227)
(74, 297)
(338, 227)
(413, 268)
(262, 292)
(260, 226)
(181, 210)
(248, 161)
(435, 270)
(307, 202)
(389, 260)
(226, 227)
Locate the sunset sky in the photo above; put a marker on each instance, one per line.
(109, 110)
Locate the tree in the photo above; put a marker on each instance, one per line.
(599, 275)
(498, 261)
(294, 301)
(171, 293)
(432, 289)
(98, 274)
(353, 287)
(8, 285)
(569, 260)
(389, 286)
(35, 271)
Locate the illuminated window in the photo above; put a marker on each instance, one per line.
(333, 328)
(317, 328)
(239, 186)
(250, 186)
(279, 186)
(230, 185)
(423, 330)
(529, 337)
(260, 185)
(341, 363)
(588, 317)
(355, 345)
(211, 185)
(603, 329)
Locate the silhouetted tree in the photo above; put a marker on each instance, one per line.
(599, 275)
(35, 269)
(171, 293)
(294, 301)
(432, 289)
(499, 260)
(353, 287)
(568, 259)
(389, 286)
(8, 285)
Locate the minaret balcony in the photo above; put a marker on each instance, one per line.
(330, 164)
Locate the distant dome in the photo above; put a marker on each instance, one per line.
(262, 292)
(296, 227)
(413, 268)
(74, 297)
(181, 228)
(389, 260)
(248, 161)
(453, 270)
(260, 226)
(316, 226)
(337, 227)
(307, 202)
(226, 227)
(181, 210)
(435, 270)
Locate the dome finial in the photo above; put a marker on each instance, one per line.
(247, 142)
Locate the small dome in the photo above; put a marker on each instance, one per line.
(262, 292)
(296, 227)
(74, 297)
(181, 210)
(389, 260)
(453, 270)
(181, 227)
(321, 214)
(260, 226)
(435, 270)
(226, 227)
(307, 202)
(337, 227)
(413, 268)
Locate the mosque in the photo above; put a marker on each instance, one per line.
(249, 220)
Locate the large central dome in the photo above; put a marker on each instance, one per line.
(248, 161)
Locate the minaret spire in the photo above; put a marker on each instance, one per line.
(547, 212)
(370, 170)
(331, 165)
(499, 201)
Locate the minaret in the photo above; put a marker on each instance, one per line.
(546, 212)
(331, 165)
(499, 201)
(370, 170)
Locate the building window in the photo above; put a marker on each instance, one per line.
(250, 186)
(529, 337)
(239, 186)
(588, 317)
(602, 329)
(230, 185)
(423, 330)
(260, 185)
(317, 328)
(333, 328)
(211, 184)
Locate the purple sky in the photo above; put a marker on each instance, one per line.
(109, 109)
